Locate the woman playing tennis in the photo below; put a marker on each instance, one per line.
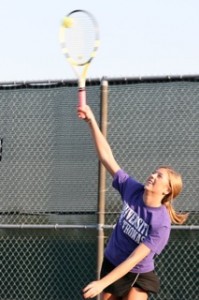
(142, 230)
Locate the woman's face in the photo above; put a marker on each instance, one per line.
(158, 182)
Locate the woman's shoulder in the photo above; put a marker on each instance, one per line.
(161, 218)
(120, 175)
(122, 178)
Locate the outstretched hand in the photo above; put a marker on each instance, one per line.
(92, 289)
(85, 113)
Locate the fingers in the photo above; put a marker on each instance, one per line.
(91, 290)
(81, 112)
(84, 112)
(81, 115)
(87, 292)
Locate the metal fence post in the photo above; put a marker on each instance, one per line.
(102, 179)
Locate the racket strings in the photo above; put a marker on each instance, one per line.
(81, 41)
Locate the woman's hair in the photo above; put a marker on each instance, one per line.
(175, 184)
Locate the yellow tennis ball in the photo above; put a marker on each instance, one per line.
(67, 22)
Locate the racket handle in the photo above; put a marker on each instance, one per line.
(82, 99)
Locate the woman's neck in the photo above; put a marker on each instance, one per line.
(151, 199)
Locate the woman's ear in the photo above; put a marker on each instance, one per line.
(167, 192)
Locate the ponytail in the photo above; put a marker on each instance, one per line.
(175, 183)
(176, 217)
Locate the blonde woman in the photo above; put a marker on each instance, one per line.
(142, 230)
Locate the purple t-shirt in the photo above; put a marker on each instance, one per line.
(137, 224)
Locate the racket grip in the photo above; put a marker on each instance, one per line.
(82, 99)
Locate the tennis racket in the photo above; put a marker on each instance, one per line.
(79, 39)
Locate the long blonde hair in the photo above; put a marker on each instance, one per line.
(175, 184)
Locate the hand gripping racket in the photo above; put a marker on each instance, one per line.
(79, 39)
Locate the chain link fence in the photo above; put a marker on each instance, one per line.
(153, 124)
(49, 181)
(46, 264)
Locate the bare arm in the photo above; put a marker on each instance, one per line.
(96, 287)
(103, 149)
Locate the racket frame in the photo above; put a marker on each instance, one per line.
(83, 67)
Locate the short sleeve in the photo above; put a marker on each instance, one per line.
(157, 239)
(125, 184)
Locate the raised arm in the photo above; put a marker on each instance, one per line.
(103, 149)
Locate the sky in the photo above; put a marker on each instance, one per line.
(138, 38)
